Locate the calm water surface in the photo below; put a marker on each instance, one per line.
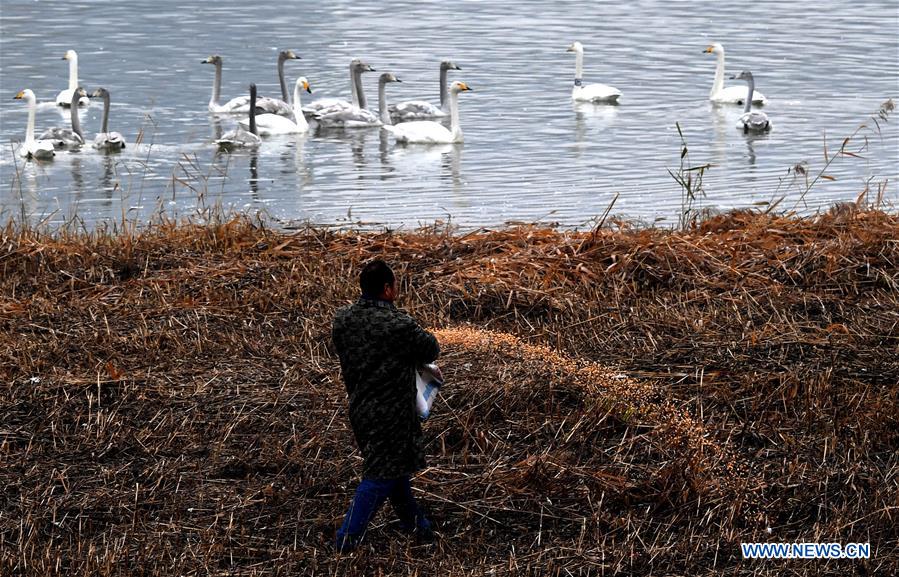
(529, 153)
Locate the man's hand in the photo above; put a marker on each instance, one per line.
(436, 371)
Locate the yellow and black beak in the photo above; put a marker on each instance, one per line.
(19, 96)
(307, 87)
(709, 50)
(465, 87)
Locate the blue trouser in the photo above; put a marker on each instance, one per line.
(370, 495)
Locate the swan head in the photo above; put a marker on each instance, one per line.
(26, 95)
(576, 47)
(745, 75)
(457, 87)
(214, 59)
(359, 64)
(288, 55)
(81, 92)
(304, 84)
(70, 55)
(715, 48)
(449, 65)
(99, 93)
(388, 77)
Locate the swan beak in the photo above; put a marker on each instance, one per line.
(464, 86)
(19, 96)
(397, 79)
(708, 50)
(733, 76)
(307, 88)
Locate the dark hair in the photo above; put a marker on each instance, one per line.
(374, 276)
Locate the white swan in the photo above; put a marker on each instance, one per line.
(31, 148)
(731, 94)
(238, 104)
(68, 137)
(420, 109)
(105, 140)
(273, 105)
(331, 105)
(239, 137)
(430, 132)
(590, 92)
(751, 121)
(268, 123)
(64, 98)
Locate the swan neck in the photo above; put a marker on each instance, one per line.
(353, 74)
(751, 83)
(29, 130)
(105, 126)
(443, 91)
(382, 103)
(578, 67)
(718, 85)
(217, 84)
(360, 101)
(298, 117)
(281, 79)
(73, 110)
(73, 72)
(454, 114)
(253, 112)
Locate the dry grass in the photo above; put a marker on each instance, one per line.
(621, 401)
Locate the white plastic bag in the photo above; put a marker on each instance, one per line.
(428, 381)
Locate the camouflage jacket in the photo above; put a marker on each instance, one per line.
(379, 347)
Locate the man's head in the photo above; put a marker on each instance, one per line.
(377, 281)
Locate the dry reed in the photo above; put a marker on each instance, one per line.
(620, 401)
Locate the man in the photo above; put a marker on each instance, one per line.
(379, 348)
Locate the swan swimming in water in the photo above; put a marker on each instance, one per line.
(731, 94)
(345, 115)
(383, 108)
(268, 123)
(68, 137)
(430, 132)
(590, 92)
(64, 98)
(332, 105)
(237, 104)
(239, 137)
(105, 140)
(31, 148)
(420, 109)
(751, 121)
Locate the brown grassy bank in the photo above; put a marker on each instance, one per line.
(623, 401)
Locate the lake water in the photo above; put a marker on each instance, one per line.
(529, 153)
